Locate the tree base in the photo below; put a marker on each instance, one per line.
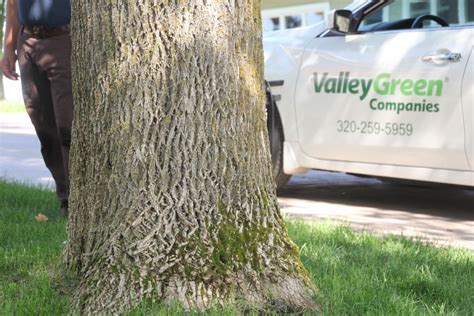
(283, 294)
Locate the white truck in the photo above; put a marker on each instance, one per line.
(391, 98)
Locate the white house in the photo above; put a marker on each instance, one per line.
(284, 14)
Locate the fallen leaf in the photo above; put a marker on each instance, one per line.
(41, 218)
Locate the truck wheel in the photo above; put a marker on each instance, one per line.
(275, 131)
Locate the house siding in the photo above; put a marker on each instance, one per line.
(272, 4)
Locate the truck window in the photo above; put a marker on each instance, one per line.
(455, 12)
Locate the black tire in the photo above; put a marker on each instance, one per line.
(275, 131)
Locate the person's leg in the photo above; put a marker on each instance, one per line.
(55, 60)
(39, 105)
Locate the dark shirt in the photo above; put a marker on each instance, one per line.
(44, 12)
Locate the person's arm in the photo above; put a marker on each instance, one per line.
(9, 49)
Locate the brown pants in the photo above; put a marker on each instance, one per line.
(46, 83)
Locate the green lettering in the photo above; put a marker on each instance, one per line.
(366, 84)
(354, 86)
(339, 82)
(400, 107)
(393, 89)
(372, 106)
(407, 87)
(318, 86)
(419, 107)
(420, 87)
(330, 86)
(346, 79)
(392, 106)
(380, 86)
(438, 84)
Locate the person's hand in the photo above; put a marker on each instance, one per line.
(8, 64)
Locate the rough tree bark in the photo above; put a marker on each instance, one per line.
(172, 196)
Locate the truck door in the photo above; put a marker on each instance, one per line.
(468, 105)
(389, 97)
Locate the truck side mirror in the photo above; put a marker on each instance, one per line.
(341, 21)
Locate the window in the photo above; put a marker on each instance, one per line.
(271, 24)
(468, 12)
(293, 21)
(375, 17)
(449, 11)
(419, 7)
(455, 12)
(293, 16)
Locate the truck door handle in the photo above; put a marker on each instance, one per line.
(442, 58)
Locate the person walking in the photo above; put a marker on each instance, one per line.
(37, 35)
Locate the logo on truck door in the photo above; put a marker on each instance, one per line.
(383, 85)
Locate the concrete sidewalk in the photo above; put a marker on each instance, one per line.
(440, 215)
(20, 156)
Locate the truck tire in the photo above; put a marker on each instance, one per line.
(275, 131)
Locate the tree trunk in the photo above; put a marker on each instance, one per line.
(172, 196)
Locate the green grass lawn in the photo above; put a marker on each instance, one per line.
(12, 107)
(356, 273)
